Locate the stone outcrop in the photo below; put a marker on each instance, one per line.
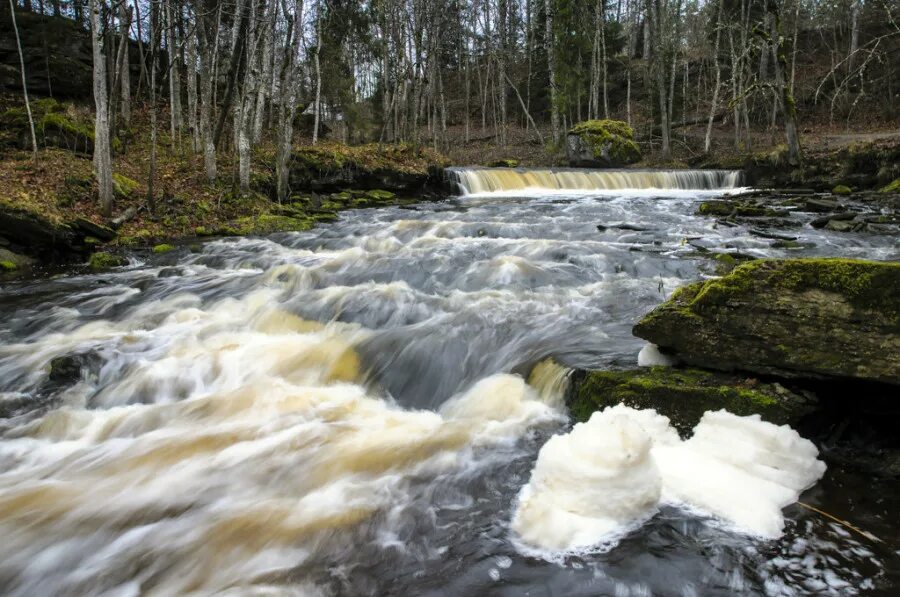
(790, 318)
(601, 143)
(399, 168)
(57, 55)
(684, 395)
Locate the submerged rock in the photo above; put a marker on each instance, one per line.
(684, 395)
(807, 318)
(605, 143)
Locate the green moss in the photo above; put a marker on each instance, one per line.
(163, 248)
(865, 284)
(123, 186)
(102, 261)
(893, 187)
(268, 223)
(78, 132)
(380, 195)
(614, 137)
(504, 163)
(397, 158)
(681, 394)
(841, 190)
(8, 266)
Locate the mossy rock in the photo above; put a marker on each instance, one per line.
(395, 166)
(683, 395)
(269, 223)
(102, 261)
(723, 208)
(841, 190)
(8, 266)
(603, 143)
(163, 248)
(123, 186)
(800, 318)
(504, 163)
(380, 195)
(893, 187)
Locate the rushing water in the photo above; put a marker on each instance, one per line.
(345, 410)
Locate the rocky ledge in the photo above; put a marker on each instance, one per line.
(684, 395)
(789, 318)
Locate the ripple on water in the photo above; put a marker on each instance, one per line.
(336, 411)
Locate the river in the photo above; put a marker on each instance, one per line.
(347, 411)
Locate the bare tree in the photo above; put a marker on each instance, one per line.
(787, 105)
(317, 105)
(707, 141)
(288, 104)
(34, 150)
(551, 67)
(102, 156)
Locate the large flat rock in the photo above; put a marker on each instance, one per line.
(793, 318)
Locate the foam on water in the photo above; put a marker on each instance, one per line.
(595, 482)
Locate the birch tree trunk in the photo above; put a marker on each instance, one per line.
(551, 67)
(204, 32)
(248, 104)
(855, 7)
(34, 150)
(102, 156)
(707, 142)
(787, 106)
(174, 75)
(125, 15)
(190, 83)
(288, 105)
(264, 83)
(318, 100)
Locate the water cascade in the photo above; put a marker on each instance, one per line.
(355, 410)
(478, 181)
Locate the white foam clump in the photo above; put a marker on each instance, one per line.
(650, 356)
(591, 485)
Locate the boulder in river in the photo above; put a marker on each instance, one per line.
(684, 395)
(603, 143)
(792, 318)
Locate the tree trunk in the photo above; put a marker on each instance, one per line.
(102, 156)
(787, 106)
(551, 67)
(205, 30)
(855, 7)
(288, 105)
(318, 102)
(125, 15)
(707, 142)
(264, 83)
(190, 83)
(174, 75)
(34, 150)
(238, 36)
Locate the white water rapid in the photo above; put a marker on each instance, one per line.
(354, 409)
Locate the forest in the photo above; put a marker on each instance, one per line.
(471, 79)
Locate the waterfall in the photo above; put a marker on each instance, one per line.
(476, 181)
